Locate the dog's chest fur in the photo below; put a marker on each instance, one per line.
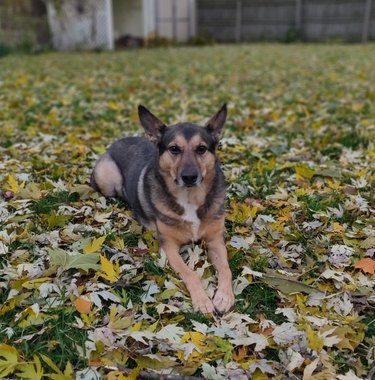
(190, 213)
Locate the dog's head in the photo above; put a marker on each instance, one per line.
(186, 151)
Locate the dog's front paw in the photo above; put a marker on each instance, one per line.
(203, 304)
(223, 300)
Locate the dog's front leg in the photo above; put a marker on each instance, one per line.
(199, 298)
(224, 297)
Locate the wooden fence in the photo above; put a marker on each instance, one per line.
(23, 23)
(306, 20)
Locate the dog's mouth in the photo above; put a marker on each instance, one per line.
(188, 182)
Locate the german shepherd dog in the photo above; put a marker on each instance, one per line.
(174, 185)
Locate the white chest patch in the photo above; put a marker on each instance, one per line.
(190, 214)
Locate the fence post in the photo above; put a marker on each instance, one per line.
(110, 37)
(366, 21)
(238, 20)
(299, 15)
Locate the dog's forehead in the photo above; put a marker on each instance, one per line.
(190, 133)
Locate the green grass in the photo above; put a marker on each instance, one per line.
(52, 202)
(259, 299)
(293, 109)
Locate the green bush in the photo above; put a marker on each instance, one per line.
(4, 49)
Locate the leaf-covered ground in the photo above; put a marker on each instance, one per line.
(83, 290)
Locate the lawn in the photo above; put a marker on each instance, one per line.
(83, 291)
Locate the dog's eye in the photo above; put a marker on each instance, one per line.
(174, 149)
(201, 149)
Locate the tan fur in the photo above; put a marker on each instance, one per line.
(171, 165)
(210, 228)
(188, 209)
(172, 237)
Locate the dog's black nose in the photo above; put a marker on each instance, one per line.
(189, 177)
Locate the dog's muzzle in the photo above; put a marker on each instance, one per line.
(190, 177)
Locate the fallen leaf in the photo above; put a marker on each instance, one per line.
(109, 271)
(287, 285)
(83, 305)
(94, 245)
(32, 371)
(66, 261)
(366, 264)
(8, 359)
(12, 184)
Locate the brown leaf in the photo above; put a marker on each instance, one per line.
(83, 305)
(366, 264)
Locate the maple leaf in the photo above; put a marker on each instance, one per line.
(366, 264)
(32, 371)
(66, 261)
(58, 375)
(315, 341)
(12, 184)
(304, 171)
(109, 271)
(8, 359)
(259, 340)
(94, 245)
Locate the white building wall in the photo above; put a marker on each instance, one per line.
(127, 18)
(81, 25)
(149, 19)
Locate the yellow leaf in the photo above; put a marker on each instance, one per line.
(12, 184)
(31, 191)
(137, 326)
(22, 79)
(114, 106)
(118, 243)
(35, 284)
(259, 375)
(110, 271)
(154, 326)
(315, 342)
(31, 319)
(304, 171)
(198, 340)
(32, 371)
(51, 364)
(94, 245)
(241, 212)
(350, 338)
(117, 320)
(271, 163)
(337, 227)
(300, 192)
(69, 372)
(8, 360)
(134, 374)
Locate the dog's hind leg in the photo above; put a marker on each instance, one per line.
(106, 177)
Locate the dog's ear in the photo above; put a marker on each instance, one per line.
(216, 123)
(152, 125)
